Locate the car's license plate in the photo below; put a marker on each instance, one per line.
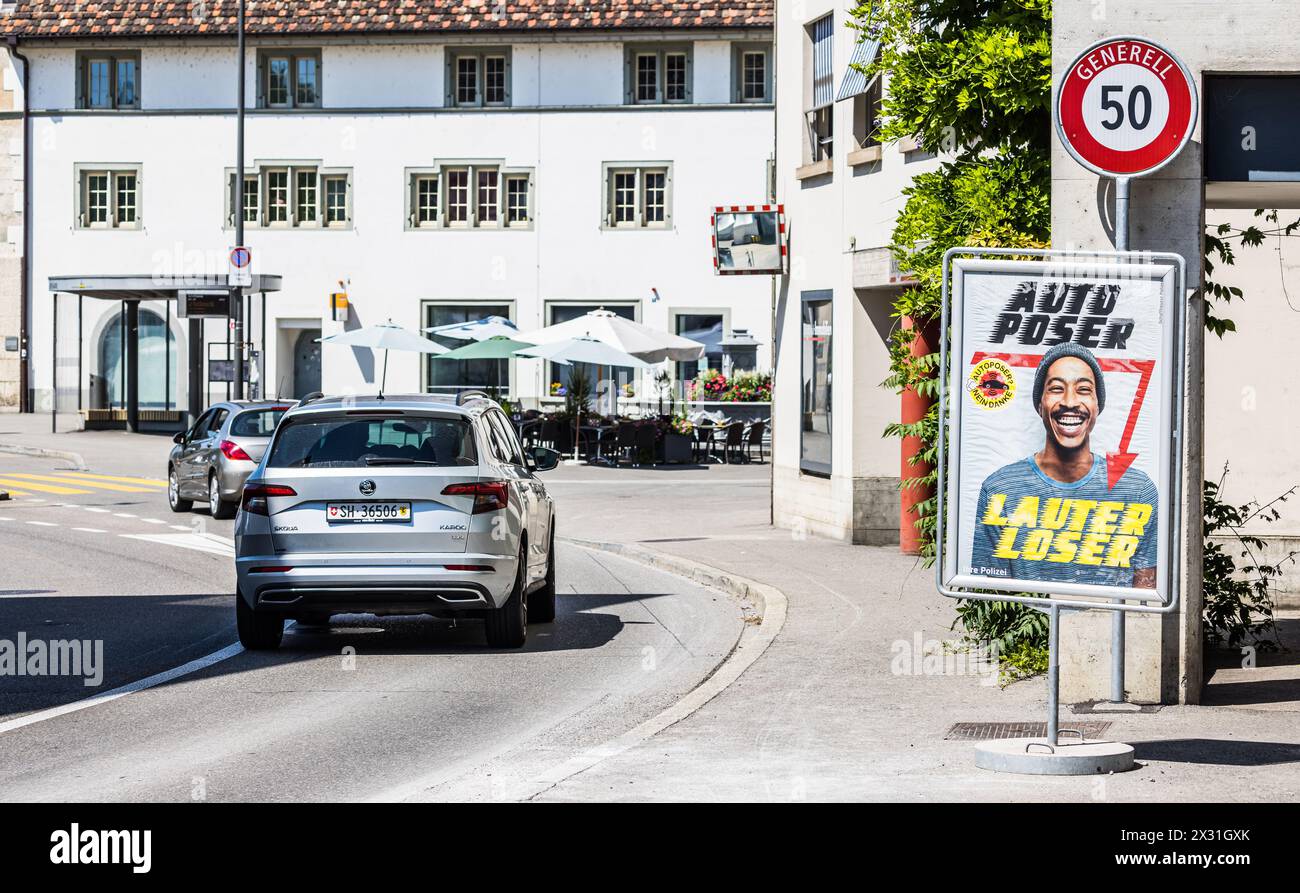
(366, 512)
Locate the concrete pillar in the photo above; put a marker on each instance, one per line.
(195, 371)
(132, 360)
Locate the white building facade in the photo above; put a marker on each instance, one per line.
(534, 169)
(842, 191)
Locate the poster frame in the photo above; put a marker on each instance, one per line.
(1059, 594)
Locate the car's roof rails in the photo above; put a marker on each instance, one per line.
(314, 395)
(465, 396)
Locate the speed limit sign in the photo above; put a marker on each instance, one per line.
(1125, 107)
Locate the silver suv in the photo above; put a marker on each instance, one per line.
(396, 505)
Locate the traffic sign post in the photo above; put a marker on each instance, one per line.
(241, 268)
(1125, 108)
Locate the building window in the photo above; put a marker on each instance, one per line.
(304, 198)
(487, 201)
(815, 371)
(558, 313)
(252, 198)
(866, 115)
(477, 78)
(658, 74)
(289, 79)
(426, 201)
(517, 213)
(277, 197)
(108, 199)
(638, 196)
(293, 195)
(458, 375)
(705, 328)
(109, 80)
(819, 93)
(751, 73)
(469, 195)
(336, 200)
(458, 196)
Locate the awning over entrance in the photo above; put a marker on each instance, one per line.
(132, 289)
(152, 288)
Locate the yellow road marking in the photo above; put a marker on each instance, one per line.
(67, 479)
(45, 488)
(144, 482)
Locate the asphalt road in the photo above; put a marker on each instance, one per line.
(367, 708)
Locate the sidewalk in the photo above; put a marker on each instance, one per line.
(109, 452)
(840, 707)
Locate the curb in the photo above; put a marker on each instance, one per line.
(19, 450)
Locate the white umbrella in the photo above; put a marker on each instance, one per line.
(478, 329)
(581, 350)
(628, 336)
(385, 336)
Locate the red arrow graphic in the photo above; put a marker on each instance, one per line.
(1120, 460)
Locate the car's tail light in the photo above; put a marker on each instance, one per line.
(232, 450)
(276, 569)
(468, 567)
(489, 496)
(255, 496)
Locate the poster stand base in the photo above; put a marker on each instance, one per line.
(1035, 756)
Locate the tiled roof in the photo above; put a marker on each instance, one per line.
(141, 18)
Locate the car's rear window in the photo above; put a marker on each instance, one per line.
(349, 442)
(257, 422)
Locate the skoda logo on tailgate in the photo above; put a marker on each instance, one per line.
(367, 488)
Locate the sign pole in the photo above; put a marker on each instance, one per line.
(1117, 620)
(238, 292)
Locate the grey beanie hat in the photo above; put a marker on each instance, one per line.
(1068, 349)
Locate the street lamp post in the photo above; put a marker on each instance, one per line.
(237, 293)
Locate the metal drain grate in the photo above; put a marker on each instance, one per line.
(989, 731)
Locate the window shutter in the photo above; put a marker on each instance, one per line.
(823, 79)
(260, 80)
(81, 81)
(320, 80)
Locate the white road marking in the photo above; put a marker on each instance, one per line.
(90, 530)
(152, 521)
(178, 527)
(122, 515)
(130, 688)
(195, 541)
(42, 523)
(91, 508)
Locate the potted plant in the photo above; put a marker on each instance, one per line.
(679, 439)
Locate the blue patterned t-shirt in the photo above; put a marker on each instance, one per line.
(1030, 527)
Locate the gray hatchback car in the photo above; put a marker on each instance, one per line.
(211, 461)
(396, 505)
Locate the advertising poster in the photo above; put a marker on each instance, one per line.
(1061, 400)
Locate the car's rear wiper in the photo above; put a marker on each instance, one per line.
(395, 460)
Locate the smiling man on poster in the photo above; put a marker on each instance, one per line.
(1055, 515)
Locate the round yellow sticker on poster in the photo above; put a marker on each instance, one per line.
(991, 384)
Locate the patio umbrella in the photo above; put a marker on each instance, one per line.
(630, 337)
(582, 350)
(497, 347)
(477, 329)
(385, 336)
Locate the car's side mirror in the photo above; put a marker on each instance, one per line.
(178, 437)
(543, 459)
